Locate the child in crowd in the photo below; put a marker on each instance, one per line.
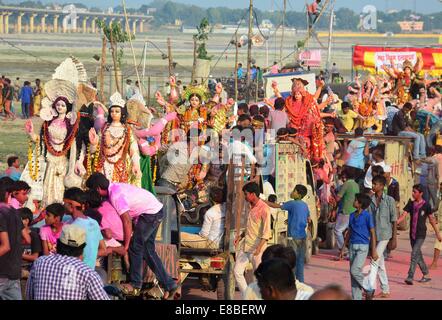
(273, 211)
(298, 218)
(75, 201)
(20, 192)
(419, 210)
(348, 116)
(265, 112)
(361, 236)
(31, 251)
(278, 117)
(50, 233)
(109, 221)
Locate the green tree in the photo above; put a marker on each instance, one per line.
(31, 4)
(115, 35)
(201, 37)
(346, 19)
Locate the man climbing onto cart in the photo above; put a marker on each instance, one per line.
(313, 11)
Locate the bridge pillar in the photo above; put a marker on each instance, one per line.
(77, 29)
(56, 23)
(31, 22)
(85, 19)
(134, 26)
(7, 22)
(2, 29)
(43, 23)
(141, 25)
(19, 23)
(93, 27)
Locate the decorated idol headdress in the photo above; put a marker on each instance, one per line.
(199, 90)
(138, 113)
(86, 93)
(63, 85)
(407, 64)
(116, 100)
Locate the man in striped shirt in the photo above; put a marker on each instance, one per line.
(64, 276)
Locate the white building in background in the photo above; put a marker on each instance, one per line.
(266, 24)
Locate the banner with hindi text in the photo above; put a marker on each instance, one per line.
(371, 59)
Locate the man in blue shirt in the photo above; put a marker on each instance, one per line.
(360, 235)
(240, 71)
(26, 97)
(298, 218)
(74, 200)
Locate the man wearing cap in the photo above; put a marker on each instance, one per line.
(64, 276)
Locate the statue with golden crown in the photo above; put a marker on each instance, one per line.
(404, 79)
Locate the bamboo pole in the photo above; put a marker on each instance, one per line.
(283, 31)
(114, 58)
(103, 63)
(236, 66)
(194, 61)
(249, 51)
(132, 46)
(169, 55)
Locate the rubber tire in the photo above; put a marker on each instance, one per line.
(315, 247)
(225, 286)
(330, 240)
(308, 248)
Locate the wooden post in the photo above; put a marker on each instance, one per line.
(148, 90)
(239, 198)
(169, 55)
(103, 62)
(116, 66)
(236, 66)
(132, 47)
(283, 30)
(194, 61)
(249, 51)
(229, 204)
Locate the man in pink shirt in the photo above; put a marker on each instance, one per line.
(141, 206)
(313, 12)
(275, 68)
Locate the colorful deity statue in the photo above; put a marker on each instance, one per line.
(54, 157)
(116, 149)
(404, 79)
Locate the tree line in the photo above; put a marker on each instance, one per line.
(167, 12)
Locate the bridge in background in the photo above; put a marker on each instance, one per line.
(67, 20)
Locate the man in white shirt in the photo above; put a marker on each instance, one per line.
(212, 231)
(129, 91)
(378, 160)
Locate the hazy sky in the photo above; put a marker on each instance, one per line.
(357, 5)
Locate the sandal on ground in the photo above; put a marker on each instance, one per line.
(369, 295)
(169, 295)
(383, 295)
(424, 280)
(129, 290)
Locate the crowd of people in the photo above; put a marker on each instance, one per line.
(28, 97)
(89, 186)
